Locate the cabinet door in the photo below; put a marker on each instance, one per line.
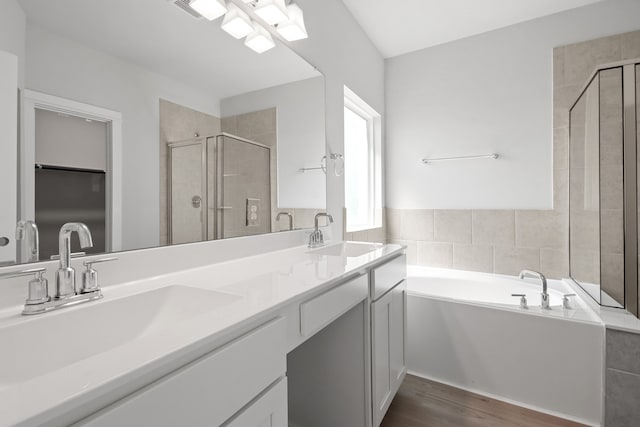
(208, 391)
(398, 327)
(388, 348)
(381, 313)
(269, 410)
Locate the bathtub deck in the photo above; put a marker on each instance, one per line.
(424, 403)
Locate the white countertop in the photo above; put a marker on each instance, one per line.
(265, 282)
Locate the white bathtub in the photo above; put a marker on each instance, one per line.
(465, 329)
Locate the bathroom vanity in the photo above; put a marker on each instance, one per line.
(301, 337)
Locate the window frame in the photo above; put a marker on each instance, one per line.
(374, 162)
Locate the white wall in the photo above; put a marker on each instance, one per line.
(484, 94)
(12, 33)
(301, 137)
(64, 68)
(340, 49)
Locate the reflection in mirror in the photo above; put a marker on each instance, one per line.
(596, 189)
(163, 131)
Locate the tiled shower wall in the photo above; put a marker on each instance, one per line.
(507, 241)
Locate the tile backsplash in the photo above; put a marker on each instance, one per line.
(493, 241)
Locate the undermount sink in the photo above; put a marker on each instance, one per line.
(348, 249)
(51, 342)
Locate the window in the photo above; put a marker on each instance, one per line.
(362, 154)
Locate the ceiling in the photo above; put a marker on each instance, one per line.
(159, 36)
(401, 26)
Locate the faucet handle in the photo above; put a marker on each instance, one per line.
(566, 302)
(90, 276)
(523, 300)
(38, 286)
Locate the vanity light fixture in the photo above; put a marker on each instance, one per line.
(237, 23)
(210, 9)
(293, 28)
(271, 11)
(259, 40)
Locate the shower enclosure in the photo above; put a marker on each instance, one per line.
(219, 187)
(603, 186)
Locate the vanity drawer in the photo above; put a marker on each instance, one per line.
(388, 275)
(325, 308)
(207, 391)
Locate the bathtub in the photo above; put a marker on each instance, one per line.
(466, 330)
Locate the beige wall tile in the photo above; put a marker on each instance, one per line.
(612, 274)
(631, 45)
(417, 224)
(563, 98)
(585, 227)
(412, 250)
(257, 123)
(554, 263)
(561, 148)
(361, 236)
(541, 229)
(435, 254)
(509, 260)
(377, 235)
(585, 266)
(561, 190)
(558, 66)
(611, 187)
(394, 223)
(611, 143)
(582, 58)
(452, 226)
(230, 125)
(612, 231)
(473, 257)
(493, 227)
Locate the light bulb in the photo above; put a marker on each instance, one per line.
(210, 9)
(259, 40)
(236, 22)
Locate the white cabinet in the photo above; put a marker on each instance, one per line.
(327, 307)
(269, 409)
(212, 389)
(388, 341)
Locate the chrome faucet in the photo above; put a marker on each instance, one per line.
(544, 302)
(28, 231)
(281, 214)
(66, 275)
(65, 293)
(316, 238)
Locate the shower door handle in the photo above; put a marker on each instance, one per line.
(196, 202)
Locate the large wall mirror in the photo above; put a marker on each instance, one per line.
(154, 127)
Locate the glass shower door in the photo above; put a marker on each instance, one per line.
(187, 197)
(243, 187)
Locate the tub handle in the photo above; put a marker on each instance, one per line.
(523, 300)
(566, 302)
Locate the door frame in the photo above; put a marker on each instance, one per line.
(32, 100)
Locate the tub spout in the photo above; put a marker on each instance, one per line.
(544, 302)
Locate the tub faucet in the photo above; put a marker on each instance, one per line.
(316, 238)
(66, 276)
(28, 231)
(544, 302)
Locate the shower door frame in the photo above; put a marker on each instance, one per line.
(204, 203)
(630, 179)
(218, 190)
